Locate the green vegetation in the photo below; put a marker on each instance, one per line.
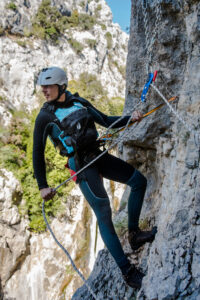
(108, 36)
(11, 6)
(99, 7)
(82, 4)
(91, 43)
(78, 47)
(86, 22)
(50, 24)
(121, 68)
(90, 88)
(2, 31)
(21, 43)
(16, 156)
(97, 10)
(103, 26)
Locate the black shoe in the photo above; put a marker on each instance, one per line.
(138, 238)
(133, 277)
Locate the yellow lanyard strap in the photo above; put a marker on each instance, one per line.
(144, 116)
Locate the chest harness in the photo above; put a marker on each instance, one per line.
(73, 130)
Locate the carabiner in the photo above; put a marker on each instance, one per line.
(151, 77)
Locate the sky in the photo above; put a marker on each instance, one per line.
(121, 10)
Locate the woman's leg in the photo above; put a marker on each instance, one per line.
(116, 169)
(94, 191)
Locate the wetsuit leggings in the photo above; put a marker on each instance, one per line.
(115, 169)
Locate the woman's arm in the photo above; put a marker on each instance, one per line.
(106, 121)
(38, 150)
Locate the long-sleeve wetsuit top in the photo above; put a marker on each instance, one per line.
(44, 118)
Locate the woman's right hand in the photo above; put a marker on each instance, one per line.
(47, 193)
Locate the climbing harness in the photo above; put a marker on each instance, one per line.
(73, 128)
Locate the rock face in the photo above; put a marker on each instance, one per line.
(46, 272)
(14, 238)
(165, 151)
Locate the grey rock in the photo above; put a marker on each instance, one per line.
(105, 280)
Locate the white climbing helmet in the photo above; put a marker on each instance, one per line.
(52, 75)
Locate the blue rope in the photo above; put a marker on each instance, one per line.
(66, 252)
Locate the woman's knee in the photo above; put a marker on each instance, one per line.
(137, 180)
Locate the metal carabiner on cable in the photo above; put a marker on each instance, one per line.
(151, 77)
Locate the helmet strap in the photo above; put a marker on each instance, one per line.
(61, 90)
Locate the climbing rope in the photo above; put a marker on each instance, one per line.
(189, 128)
(66, 252)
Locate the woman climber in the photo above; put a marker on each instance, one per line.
(69, 121)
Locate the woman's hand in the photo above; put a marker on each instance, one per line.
(136, 116)
(47, 193)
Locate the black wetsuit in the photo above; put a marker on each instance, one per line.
(92, 187)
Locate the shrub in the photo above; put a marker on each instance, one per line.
(108, 37)
(48, 23)
(11, 6)
(2, 31)
(97, 10)
(91, 43)
(86, 22)
(21, 43)
(103, 26)
(121, 68)
(90, 88)
(16, 156)
(99, 7)
(78, 47)
(73, 20)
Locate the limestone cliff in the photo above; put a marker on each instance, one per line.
(163, 149)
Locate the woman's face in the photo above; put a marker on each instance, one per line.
(50, 92)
